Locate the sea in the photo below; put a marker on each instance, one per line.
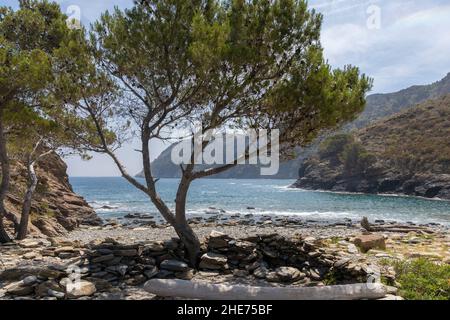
(115, 198)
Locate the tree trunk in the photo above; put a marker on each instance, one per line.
(190, 241)
(26, 207)
(184, 231)
(4, 187)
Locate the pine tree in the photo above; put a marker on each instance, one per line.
(34, 43)
(247, 64)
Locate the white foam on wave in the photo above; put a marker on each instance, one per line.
(290, 189)
(325, 215)
(329, 215)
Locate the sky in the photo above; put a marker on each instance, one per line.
(399, 43)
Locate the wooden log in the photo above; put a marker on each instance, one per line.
(397, 228)
(208, 291)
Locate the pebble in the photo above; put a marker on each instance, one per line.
(30, 280)
(56, 294)
(352, 249)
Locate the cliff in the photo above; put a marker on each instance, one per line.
(56, 208)
(408, 153)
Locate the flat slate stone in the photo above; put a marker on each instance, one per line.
(174, 265)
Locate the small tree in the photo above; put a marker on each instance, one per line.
(356, 159)
(33, 143)
(247, 64)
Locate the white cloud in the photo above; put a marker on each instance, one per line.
(408, 49)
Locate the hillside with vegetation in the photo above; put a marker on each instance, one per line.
(384, 105)
(408, 153)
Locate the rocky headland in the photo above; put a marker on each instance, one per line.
(407, 154)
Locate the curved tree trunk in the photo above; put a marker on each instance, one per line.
(178, 222)
(4, 187)
(26, 207)
(184, 231)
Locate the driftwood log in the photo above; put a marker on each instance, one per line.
(207, 291)
(393, 228)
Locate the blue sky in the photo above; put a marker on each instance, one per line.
(399, 43)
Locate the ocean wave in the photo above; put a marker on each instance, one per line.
(306, 214)
(348, 193)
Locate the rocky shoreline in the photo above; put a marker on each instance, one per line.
(113, 262)
(237, 225)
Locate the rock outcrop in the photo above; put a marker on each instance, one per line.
(56, 208)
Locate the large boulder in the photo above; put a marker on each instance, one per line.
(370, 241)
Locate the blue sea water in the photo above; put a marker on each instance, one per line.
(269, 197)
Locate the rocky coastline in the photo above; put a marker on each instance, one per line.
(423, 186)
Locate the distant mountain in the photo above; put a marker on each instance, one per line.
(163, 167)
(378, 106)
(408, 153)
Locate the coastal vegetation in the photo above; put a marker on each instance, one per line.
(246, 65)
(378, 106)
(32, 41)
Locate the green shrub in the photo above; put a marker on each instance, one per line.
(421, 279)
(335, 144)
